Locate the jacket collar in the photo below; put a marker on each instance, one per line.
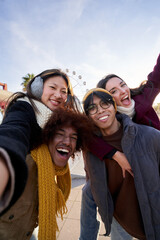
(130, 130)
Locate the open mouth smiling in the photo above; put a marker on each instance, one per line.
(103, 118)
(63, 152)
(126, 97)
(126, 100)
(55, 102)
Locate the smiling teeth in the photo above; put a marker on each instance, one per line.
(125, 97)
(102, 118)
(54, 101)
(63, 150)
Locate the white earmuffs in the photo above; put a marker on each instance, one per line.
(37, 87)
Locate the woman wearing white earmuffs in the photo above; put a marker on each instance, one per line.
(20, 131)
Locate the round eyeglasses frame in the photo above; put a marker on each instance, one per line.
(93, 108)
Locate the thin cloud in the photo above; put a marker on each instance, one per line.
(92, 37)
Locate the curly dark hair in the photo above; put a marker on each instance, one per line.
(69, 118)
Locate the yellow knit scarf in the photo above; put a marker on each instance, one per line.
(54, 185)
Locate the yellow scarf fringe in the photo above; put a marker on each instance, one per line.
(54, 185)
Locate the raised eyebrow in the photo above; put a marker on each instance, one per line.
(112, 89)
(115, 87)
(122, 82)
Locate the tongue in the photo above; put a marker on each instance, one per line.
(126, 102)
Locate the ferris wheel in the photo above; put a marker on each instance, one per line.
(78, 84)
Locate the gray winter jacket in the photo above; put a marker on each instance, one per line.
(141, 145)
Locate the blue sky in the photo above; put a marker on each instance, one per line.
(92, 37)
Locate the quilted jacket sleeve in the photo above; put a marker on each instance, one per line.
(18, 131)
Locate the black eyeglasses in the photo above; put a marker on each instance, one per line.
(93, 108)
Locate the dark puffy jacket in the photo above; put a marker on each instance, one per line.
(140, 144)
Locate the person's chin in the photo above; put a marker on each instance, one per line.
(60, 161)
(61, 164)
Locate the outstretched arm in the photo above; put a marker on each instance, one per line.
(16, 132)
(152, 86)
(145, 113)
(4, 176)
(154, 76)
